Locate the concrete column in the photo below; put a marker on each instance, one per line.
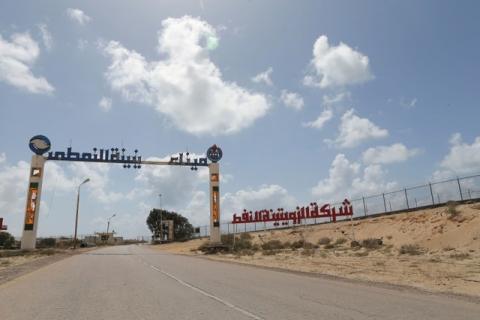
(32, 207)
(214, 174)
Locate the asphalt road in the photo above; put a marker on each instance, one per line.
(136, 282)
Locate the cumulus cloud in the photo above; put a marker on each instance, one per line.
(292, 100)
(462, 159)
(354, 130)
(264, 77)
(324, 117)
(396, 152)
(337, 66)
(46, 36)
(17, 57)
(265, 197)
(186, 86)
(347, 179)
(105, 104)
(78, 16)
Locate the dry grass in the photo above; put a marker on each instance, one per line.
(411, 249)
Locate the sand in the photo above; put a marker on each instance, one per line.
(448, 258)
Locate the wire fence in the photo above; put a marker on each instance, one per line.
(411, 198)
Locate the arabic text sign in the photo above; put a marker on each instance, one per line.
(308, 212)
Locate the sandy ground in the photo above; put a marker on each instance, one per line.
(448, 258)
(15, 266)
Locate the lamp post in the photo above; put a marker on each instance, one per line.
(76, 215)
(108, 222)
(161, 225)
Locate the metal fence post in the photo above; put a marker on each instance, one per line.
(406, 198)
(431, 193)
(384, 202)
(460, 188)
(364, 207)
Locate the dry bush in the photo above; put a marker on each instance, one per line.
(340, 241)
(272, 245)
(372, 243)
(297, 244)
(411, 249)
(324, 241)
(329, 246)
(460, 256)
(452, 209)
(308, 252)
(269, 252)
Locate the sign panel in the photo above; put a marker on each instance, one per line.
(308, 212)
(31, 205)
(215, 206)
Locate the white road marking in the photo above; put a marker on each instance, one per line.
(211, 296)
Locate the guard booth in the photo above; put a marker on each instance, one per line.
(166, 232)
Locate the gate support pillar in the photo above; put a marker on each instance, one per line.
(32, 207)
(214, 174)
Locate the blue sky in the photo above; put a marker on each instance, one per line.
(388, 99)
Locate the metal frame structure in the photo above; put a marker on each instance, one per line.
(40, 145)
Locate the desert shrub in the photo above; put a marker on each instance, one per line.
(309, 245)
(460, 256)
(245, 236)
(411, 249)
(47, 243)
(227, 239)
(452, 208)
(329, 246)
(448, 248)
(308, 252)
(372, 243)
(324, 241)
(245, 252)
(297, 244)
(269, 252)
(272, 245)
(340, 241)
(355, 244)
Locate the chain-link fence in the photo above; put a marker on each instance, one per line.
(421, 196)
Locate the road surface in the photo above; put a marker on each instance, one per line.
(137, 282)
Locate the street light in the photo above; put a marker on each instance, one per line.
(76, 215)
(161, 225)
(108, 222)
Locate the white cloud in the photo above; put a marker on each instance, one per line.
(176, 184)
(16, 58)
(355, 130)
(265, 197)
(264, 77)
(186, 87)
(98, 173)
(46, 36)
(346, 179)
(337, 66)
(78, 16)
(292, 100)
(82, 44)
(105, 104)
(462, 159)
(397, 152)
(324, 117)
(335, 100)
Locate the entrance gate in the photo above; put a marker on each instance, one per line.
(40, 145)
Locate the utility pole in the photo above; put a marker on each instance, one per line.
(76, 215)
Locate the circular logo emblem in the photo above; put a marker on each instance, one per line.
(214, 153)
(39, 144)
